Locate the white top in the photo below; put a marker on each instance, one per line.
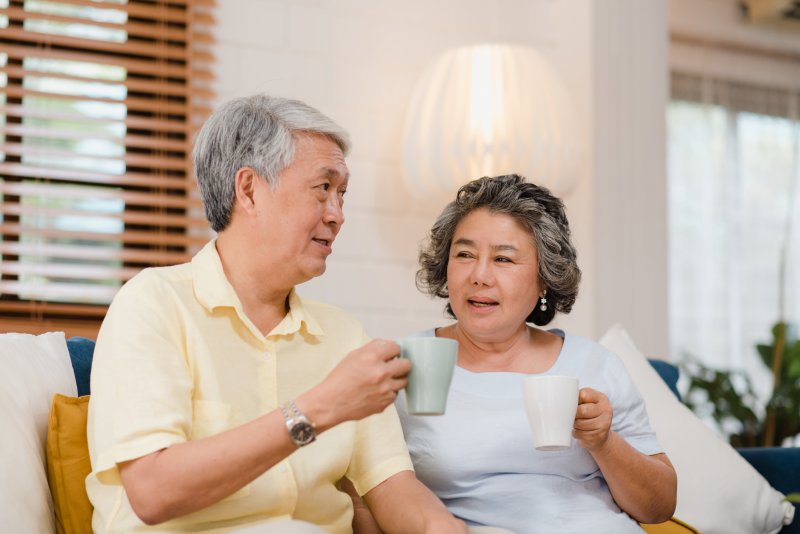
(479, 458)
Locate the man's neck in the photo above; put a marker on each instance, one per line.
(264, 300)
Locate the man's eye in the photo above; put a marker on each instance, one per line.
(503, 259)
(463, 254)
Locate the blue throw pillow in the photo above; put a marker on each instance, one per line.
(81, 351)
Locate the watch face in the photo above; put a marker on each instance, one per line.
(303, 433)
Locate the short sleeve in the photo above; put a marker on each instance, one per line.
(379, 451)
(630, 418)
(141, 385)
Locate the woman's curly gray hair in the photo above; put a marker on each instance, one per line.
(537, 210)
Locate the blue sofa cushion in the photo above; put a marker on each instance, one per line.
(668, 373)
(81, 351)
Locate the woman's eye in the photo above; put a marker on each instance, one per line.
(463, 254)
(503, 259)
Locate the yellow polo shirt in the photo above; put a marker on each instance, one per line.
(177, 359)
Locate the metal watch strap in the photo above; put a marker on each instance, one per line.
(301, 430)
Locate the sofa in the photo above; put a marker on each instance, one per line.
(777, 468)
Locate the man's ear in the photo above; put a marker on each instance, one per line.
(244, 189)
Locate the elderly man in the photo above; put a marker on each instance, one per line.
(221, 398)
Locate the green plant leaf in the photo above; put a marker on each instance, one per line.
(765, 351)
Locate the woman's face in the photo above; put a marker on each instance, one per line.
(492, 275)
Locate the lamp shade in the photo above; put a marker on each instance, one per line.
(488, 110)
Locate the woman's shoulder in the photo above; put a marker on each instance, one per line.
(587, 350)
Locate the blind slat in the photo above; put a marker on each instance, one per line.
(130, 48)
(129, 197)
(161, 104)
(131, 217)
(136, 29)
(38, 308)
(130, 160)
(69, 270)
(129, 236)
(156, 11)
(142, 141)
(57, 291)
(129, 178)
(133, 66)
(137, 85)
(50, 250)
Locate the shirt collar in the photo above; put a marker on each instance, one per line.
(213, 290)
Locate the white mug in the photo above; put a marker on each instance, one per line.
(551, 402)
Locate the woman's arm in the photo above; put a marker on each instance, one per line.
(363, 522)
(643, 486)
(402, 504)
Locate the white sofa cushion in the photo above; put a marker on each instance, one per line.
(32, 369)
(718, 491)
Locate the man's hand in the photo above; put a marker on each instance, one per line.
(592, 420)
(365, 382)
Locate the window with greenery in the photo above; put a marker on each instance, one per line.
(734, 228)
(98, 104)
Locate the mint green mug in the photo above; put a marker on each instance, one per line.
(433, 360)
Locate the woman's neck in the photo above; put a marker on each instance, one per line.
(527, 350)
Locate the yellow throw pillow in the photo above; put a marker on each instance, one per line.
(673, 526)
(68, 463)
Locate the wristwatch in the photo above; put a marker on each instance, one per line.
(301, 430)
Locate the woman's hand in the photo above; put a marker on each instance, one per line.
(592, 420)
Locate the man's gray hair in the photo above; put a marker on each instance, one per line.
(259, 132)
(537, 210)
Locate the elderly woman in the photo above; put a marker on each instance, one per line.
(501, 254)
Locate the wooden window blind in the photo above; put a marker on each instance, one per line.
(98, 103)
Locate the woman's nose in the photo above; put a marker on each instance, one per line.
(481, 273)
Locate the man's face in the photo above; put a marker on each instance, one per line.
(301, 217)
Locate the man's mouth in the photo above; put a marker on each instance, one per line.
(325, 242)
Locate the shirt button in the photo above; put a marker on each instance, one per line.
(281, 468)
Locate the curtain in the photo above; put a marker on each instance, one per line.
(99, 100)
(733, 220)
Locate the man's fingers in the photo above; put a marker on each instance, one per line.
(385, 348)
(399, 383)
(399, 368)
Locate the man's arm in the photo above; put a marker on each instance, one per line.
(189, 476)
(402, 504)
(192, 475)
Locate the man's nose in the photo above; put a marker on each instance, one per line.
(334, 213)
